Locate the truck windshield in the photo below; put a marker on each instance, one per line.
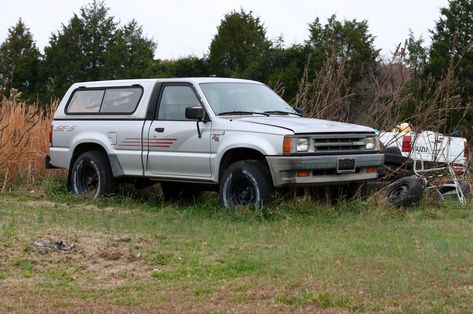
(248, 98)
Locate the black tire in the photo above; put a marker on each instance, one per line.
(175, 191)
(245, 183)
(404, 192)
(464, 187)
(91, 175)
(393, 157)
(393, 150)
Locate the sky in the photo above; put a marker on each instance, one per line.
(185, 27)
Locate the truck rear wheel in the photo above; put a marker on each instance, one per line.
(245, 183)
(91, 175)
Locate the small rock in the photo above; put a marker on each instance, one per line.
(124, 239)
(46, 246)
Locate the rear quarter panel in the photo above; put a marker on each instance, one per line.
(117, 134)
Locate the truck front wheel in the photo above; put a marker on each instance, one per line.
(91, 175)
(246, 182)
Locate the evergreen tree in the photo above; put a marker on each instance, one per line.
(130, 55)
(19, 60)
(287, 67)
(182, 67)
(239, 47)
(92, 46)
(451, 42)
(350, 41)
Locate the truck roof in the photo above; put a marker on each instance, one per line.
(194, 80)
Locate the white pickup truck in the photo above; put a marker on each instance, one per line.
(428, 148)
(233, 135)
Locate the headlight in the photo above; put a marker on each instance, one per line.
(371, 143)
(294, 144)
(302, 144)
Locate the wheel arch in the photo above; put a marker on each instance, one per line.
(86, 147)
(240, 153)
(112, 159)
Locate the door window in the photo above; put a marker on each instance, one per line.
(174, 101)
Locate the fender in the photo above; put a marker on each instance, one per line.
(264, 143)
(90, 138)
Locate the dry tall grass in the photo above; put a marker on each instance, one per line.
(328, 95)
(24, 141)
(387, 96)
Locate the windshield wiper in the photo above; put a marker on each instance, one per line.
(283, 112)
(229, 113)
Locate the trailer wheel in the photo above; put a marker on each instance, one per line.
(91, 175)
(404, 192)
(245, 183)
(464, 187)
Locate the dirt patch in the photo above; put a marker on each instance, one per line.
(108, 259)
(99, 261)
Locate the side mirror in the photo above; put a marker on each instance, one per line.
(195, 113)
(299, 111)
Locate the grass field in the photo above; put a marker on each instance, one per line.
(139, 254)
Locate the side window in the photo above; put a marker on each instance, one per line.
(121, 100)
(174, 101)
(87, 101)
(114, 100)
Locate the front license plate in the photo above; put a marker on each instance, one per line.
(346, 165)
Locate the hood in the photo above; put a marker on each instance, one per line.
(306, 125)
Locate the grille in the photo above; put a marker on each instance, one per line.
(342, 143)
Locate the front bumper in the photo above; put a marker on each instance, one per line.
(322, 169)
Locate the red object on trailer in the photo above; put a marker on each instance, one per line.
(406, 144)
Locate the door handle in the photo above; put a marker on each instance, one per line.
(159, 130)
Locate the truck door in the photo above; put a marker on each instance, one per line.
(174, 147)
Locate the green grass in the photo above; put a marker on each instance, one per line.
(135, 252)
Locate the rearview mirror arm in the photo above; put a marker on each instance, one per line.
(198, 129)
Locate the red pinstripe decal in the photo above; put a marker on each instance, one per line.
(151, 138)
(135, 142)
(160, 139)
(155, 141)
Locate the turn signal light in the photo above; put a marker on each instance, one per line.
(287, 145)
(303, 173)
(370, 169)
